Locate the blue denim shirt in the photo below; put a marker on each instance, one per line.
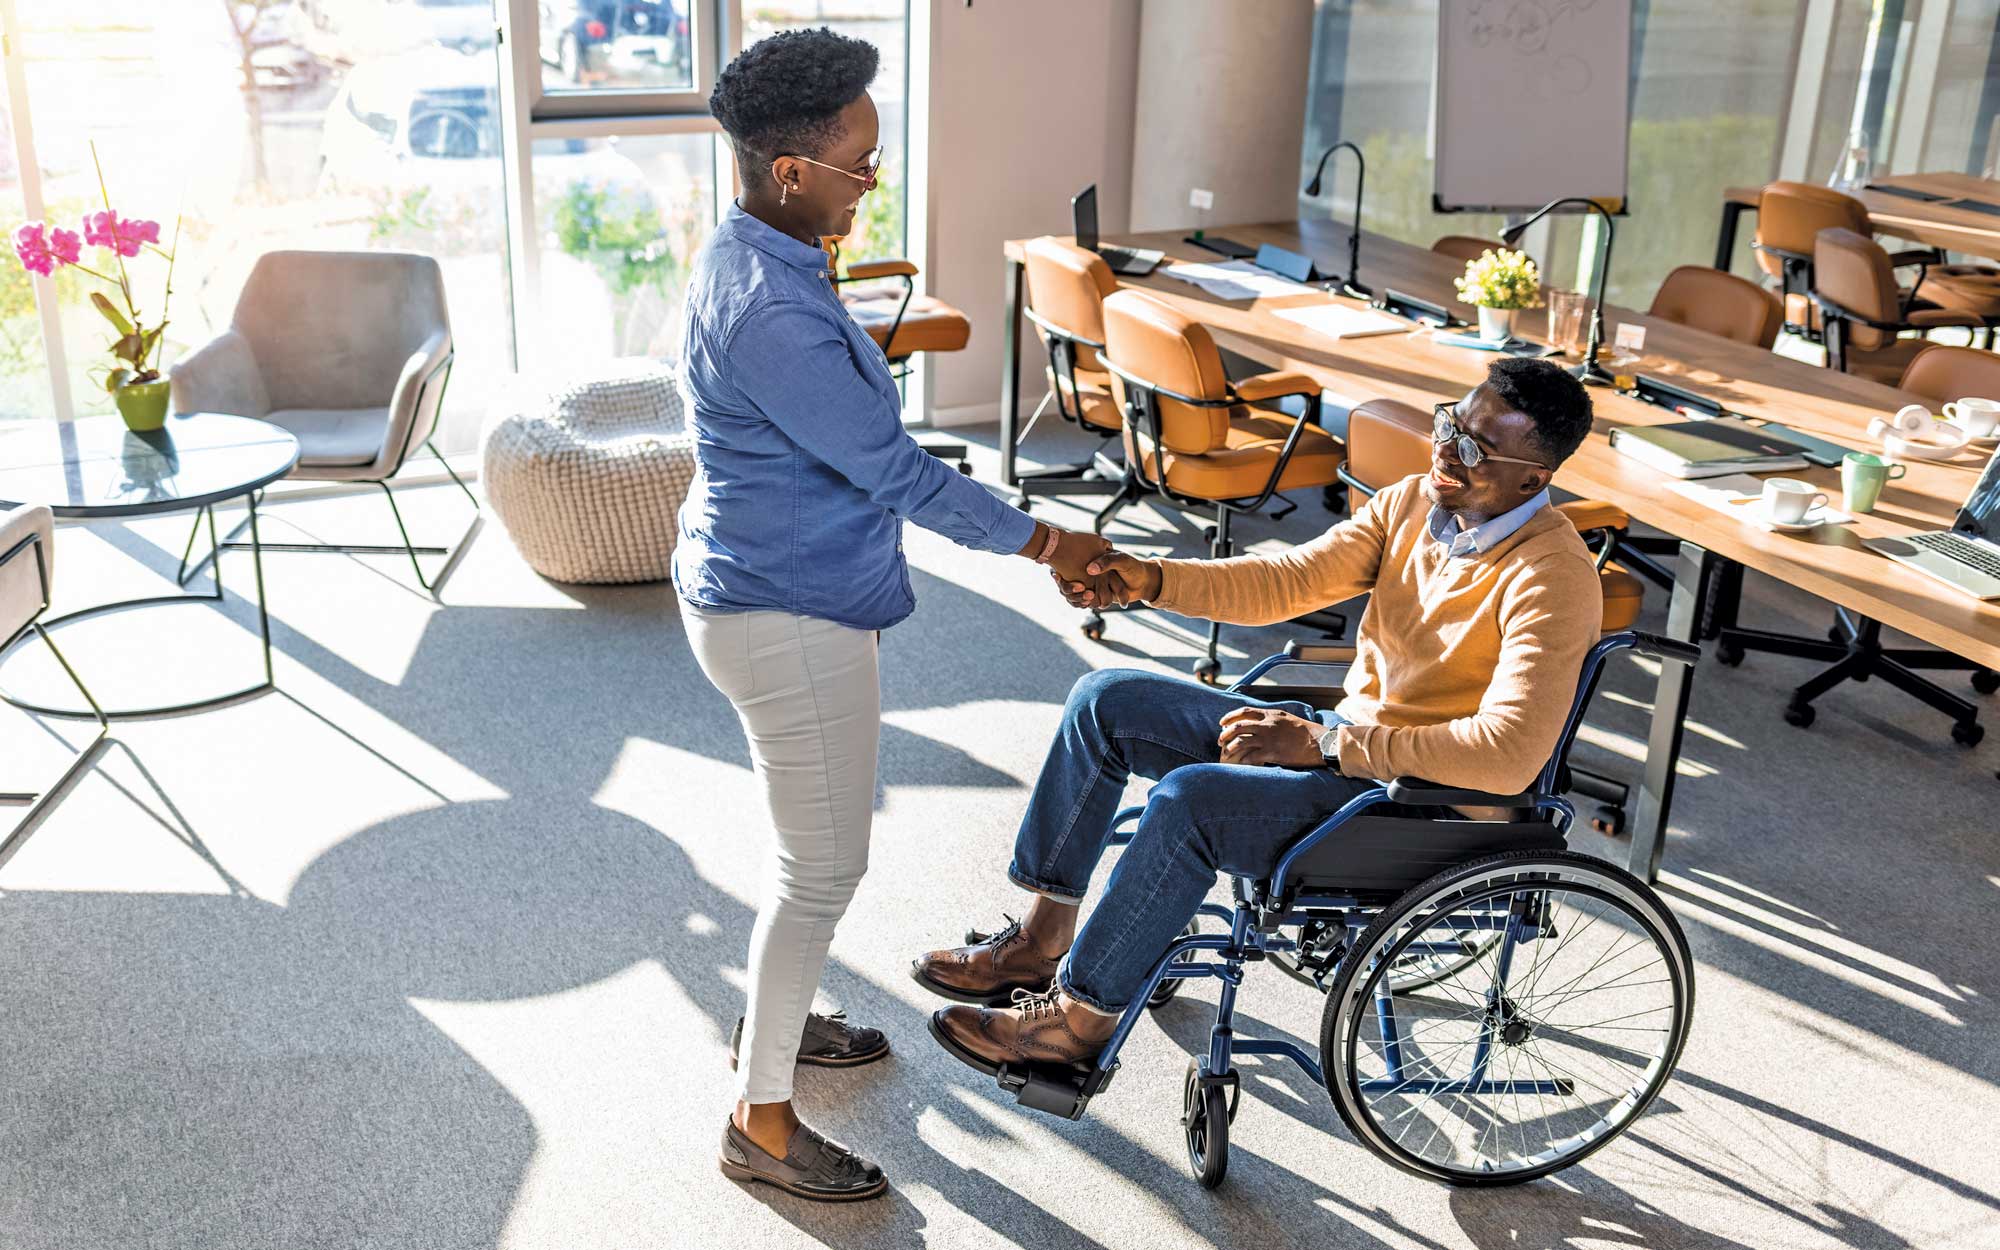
(1484, 535)
(804, 471)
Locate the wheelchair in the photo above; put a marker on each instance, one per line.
(1497, 1007)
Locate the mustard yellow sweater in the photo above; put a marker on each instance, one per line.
(1466, 667)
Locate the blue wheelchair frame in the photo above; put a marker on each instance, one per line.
(1263, 909)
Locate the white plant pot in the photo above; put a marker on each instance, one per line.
(1496, 325)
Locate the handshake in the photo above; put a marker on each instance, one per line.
(1091, 573)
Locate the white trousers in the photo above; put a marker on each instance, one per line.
(807, 693)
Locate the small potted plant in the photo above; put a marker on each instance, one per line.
(135, 380)
(1498, 283)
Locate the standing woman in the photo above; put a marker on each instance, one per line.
(790, 560)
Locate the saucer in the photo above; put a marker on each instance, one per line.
(1979, 440)
(1812, 520)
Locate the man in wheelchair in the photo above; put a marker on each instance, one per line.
(1484, 603)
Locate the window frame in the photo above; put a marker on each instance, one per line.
(715, 28)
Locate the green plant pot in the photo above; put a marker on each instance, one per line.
(144, 404)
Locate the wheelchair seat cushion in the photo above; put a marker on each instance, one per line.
(1397, 851)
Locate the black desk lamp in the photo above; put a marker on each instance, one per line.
(1352, 284)
(1589, 372)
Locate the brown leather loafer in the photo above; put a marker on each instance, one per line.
(814, 1167)
(828, 1042)
(987, 972)
(1049, 1028)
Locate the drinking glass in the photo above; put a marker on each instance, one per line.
(1568, 311)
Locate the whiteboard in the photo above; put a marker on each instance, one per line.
(1532, 102)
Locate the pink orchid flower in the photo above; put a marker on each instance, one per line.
(31, 245)
(66, 246)
(126, 237)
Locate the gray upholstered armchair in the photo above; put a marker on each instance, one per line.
(349, 351)
(27, 579)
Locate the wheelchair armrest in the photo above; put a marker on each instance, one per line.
(1320, 652)
(1420, 793)
(1924, 256)
(865, 270)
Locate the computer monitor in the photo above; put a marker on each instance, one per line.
(1980, 516)
(1083, 213)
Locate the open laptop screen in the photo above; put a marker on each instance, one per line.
(1083, 212)
(1980, 517)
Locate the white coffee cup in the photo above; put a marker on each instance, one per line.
(1787, 500)
(1977, 417)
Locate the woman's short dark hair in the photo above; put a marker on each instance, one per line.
(1547, 395)
(782, 96)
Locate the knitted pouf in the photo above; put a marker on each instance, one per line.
(588, 476)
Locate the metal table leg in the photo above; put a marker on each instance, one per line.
(123, 605)
(1670, 703)
(1010, 373)
(1725, 242)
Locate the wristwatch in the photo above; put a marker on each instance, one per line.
(1329, 746)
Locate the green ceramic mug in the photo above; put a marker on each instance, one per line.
(1862, 478)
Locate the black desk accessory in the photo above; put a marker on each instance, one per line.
(1394, 301)
(1350, 285)
(1221, 246)
(1589, 372)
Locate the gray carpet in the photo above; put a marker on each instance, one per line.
(441, 945)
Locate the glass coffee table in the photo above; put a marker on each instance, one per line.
(96, 469)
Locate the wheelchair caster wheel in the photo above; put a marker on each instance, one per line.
(1800, 714)
(1986, 681)
(1164, 992)
(1729, 654)
(1208, 671)
(1205, 1114)
(1093, 627)
(1967, 733)
(1609, 820)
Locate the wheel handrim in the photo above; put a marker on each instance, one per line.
(1600, 1005)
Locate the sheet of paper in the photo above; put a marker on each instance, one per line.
(1345, 321)
(1737, 493)
(1234, 279)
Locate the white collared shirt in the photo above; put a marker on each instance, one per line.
(1485, 535)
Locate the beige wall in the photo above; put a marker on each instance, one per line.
(1220, 104)
(1030, 100)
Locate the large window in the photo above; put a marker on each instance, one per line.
(1711, 84)
(387, 124)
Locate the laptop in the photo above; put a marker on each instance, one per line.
(1127, 260)
(1966, 556)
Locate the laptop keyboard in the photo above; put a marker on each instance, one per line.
(1963, 550)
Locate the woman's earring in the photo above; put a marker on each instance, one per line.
(782, 192)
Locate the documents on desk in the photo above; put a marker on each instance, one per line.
(1235, 279)
(1344, 321)
(1739, 494)
(1707, 448)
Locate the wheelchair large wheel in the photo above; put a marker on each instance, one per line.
(1532, 1055)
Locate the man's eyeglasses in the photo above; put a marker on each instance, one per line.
(871, 166)
(1444, 429)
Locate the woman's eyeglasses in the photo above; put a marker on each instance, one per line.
(1444, 429)
(871, 167)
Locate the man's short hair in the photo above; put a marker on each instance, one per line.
(1550, 397)
(782, 96)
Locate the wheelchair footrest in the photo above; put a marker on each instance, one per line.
(1063, 1090)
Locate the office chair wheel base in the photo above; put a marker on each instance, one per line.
(1164, 992)
(1609, 820)
(1208, 534)
(1833, 634)
(1802, 715)
(1205, 1114)
(1093, 627)
(1728, 654)
(965, 467)
(1334, 499)
(1208, 671)
(1986, 681)
(1967, 733)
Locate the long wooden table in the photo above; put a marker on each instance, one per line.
(1945, 223)
(1829, 563)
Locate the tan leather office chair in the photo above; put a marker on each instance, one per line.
(901, 322)
(1944, 374)
(1191, 435)
(1466, 247)
(1790, 216)
(1388, 440)
(1864, 312)
(1066, 290)
(1720, 304)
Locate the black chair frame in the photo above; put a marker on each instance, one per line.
(41, 802)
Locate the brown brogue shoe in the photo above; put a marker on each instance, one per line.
(987, 972)
(1044, 1029)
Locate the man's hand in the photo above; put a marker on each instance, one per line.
(1116, 580)
(1264, 735)
(1074, 551)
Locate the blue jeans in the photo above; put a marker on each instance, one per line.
(1203, 817)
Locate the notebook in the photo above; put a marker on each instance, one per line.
(1707, 448)
(1342, 321)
